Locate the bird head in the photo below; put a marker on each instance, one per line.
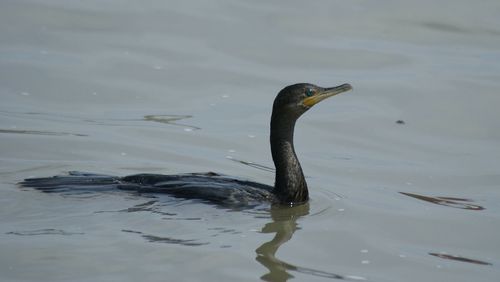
(296, 99)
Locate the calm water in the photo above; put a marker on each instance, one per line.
(123, 87)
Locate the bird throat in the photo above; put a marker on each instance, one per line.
(290, 186)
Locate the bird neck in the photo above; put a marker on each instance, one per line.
(290, 185)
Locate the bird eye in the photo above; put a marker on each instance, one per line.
(309, 92)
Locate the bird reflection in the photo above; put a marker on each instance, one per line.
(284, 224)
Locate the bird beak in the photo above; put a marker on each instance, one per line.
(325, 93)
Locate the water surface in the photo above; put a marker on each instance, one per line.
(123, 87)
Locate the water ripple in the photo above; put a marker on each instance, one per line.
(39, 132)
(459, 258)
(167, 240)
(47, 231)
(459, 203)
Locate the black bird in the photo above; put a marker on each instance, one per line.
(290, 187)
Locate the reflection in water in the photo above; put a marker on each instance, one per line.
(459, 203)
(284, 224)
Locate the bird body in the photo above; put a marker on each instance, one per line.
(209, 187)
(290, 186)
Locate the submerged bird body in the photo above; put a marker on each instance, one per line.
(290, 186)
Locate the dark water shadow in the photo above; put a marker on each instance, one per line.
(459, 203)
(284, 224)
(459, 258)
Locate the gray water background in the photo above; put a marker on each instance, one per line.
(123, 87)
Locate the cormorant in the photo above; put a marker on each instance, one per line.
(290, 186)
